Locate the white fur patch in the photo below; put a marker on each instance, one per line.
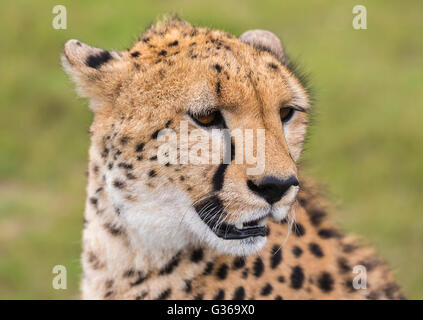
(163, 219)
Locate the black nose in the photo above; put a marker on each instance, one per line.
(272, 189)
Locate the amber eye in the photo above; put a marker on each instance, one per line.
(286, 114)
(207, 119)
(210, 119)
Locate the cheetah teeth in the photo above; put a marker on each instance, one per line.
(261, 223)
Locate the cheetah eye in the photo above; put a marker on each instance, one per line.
(210, 119)
(286, 114)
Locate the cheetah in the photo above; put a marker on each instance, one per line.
(177, 230)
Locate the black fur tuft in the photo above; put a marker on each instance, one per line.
(96, 60)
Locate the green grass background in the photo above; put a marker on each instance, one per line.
(366, 145)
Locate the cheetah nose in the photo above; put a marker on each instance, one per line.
(271, 188)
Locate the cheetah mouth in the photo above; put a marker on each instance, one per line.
(253, 228)
(228, 231)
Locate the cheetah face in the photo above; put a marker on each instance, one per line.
(161, 108)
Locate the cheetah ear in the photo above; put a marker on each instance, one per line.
(96, 72)
(265, 40)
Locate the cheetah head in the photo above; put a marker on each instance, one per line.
(161, 107)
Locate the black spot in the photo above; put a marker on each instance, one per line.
(130, 176)
(391, 290)
(218, 89)
(325, 282)
(155, 134)
(124, 140)
(110, 165)
(152, 173)
(153, 158)
(188, 286)
(315, 249)
(209, 268)
(374, 295)
(163, 53)
(172, 264)
(297, 251)
(94, 201)
(139, 147)
(182, 178)
(173, 44)
(96, 60)
(108, 294)
(273, 66)
(127, 166)
(278, 297)
(299, 230)
(220, 295)
(297, 278)
(266, 290)
(139, 158)
(275, 256)
(239, 294)
(349, 285)
(165, 294)
(113, 229)
(197, 255)
(343, 265)
(135, 54)
(168, 123)
(258, 267)
(316, 216)
(105, 153)
(349, 247)
(218, 67)
(141, 296)
(117, 154)
(238, 263)
(219, 177)
(199, 296)
(99, 190)
(140, 279)
(370, 263)
(328, 233)
(118, 184)
(281, 279)
(222, 272)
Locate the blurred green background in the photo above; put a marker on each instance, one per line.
(366, 144)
